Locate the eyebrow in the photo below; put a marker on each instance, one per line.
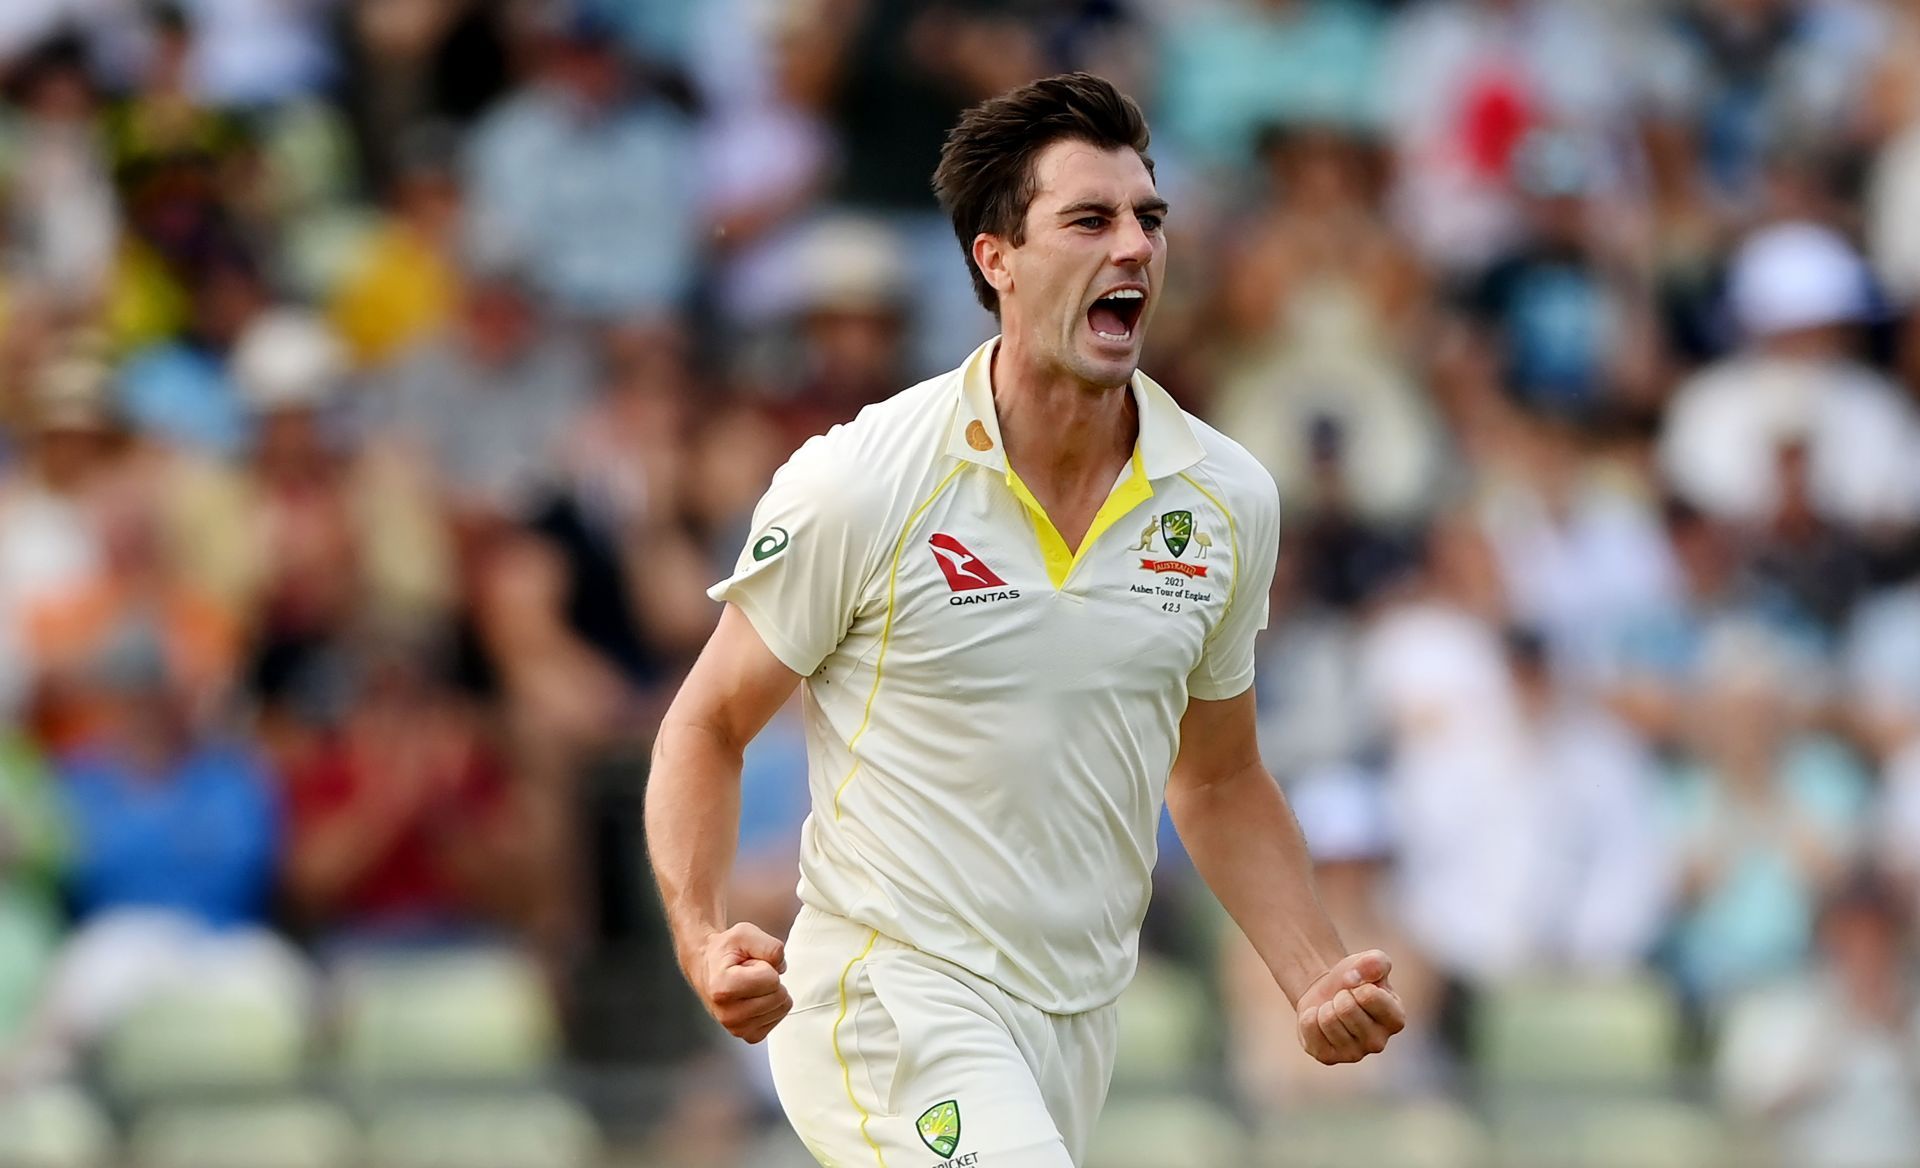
(1143, 207)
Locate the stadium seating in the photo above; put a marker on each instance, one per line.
(518, 1131)
(1545, 1035)
(470, 1016)
(53, 1127)
(198, 1038)
(1165, 1023)
(1643, 1133)
(1418, 1135)
(1166, 1131)
(281, 1133)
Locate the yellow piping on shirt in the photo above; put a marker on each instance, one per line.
(846, 1070)
(1233, 542)
(886, 633)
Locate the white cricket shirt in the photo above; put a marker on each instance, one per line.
(991, 718)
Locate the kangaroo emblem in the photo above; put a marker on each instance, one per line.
(1146, 535)
(1205, 543)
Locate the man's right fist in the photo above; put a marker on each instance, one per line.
(737, 975)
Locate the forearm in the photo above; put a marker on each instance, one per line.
(1245, 844)
(693, 821)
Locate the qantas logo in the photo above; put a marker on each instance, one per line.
(964, 570)
(966, 573)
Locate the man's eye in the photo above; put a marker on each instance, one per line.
(1150, 222)
(1090, 221)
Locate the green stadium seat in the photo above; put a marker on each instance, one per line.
(1165, 1027)
(210, 1038)
(1620, 1133)
(53, 1127)
(1618, 1034)
(1167, 1131)
(471, 1016)
(281, 1133)
(520, 1131)
(1415, 1135)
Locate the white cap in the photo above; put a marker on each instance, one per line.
(1794, 276)
(288, 359)
(851, 263)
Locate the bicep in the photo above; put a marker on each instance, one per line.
(1218, 741)
(735, 687)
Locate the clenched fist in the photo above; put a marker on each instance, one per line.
(737, 975)
(1349, 1011)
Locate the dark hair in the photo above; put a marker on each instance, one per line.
(985, 178)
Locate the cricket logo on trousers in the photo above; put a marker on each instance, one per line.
(940, 1128)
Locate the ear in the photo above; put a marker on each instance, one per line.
(993, 254)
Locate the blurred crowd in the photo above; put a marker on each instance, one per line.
(382, 382)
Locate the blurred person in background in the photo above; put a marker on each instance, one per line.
(179, 391)
(1582, 552)
(1465, 84)
(1572, 322)
(1796, 291)
(334, 534)
(1826, 1062)
(175, 840)
(1347, 819)
(768, 149)
(1228, 69)
(404, 827)
(136, 585)
(1757, 77)
(54, 170)
(1315, 314)
(404, 284)
(590, 178)
(254, 53)
(850, 327)
(1765, 814)
(484, 403)
(49, 543)
(899, 72)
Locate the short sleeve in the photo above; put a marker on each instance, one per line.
(1226, 663)
(800, 577)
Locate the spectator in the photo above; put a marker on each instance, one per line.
(48, 542)
(404, 285)
(1825, 1061)
(175, 836)
(336, 536)
(1345, 816)
(1796, 289)
(485, 403)
(557, 171)
(1315, 314)
(61, 199)
(1465, 84)
(1235, 67)
(404, 827)
(1766, 816)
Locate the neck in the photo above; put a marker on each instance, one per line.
(1056, 426)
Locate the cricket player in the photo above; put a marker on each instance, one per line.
(1022, 597)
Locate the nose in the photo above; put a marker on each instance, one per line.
(1132, 246)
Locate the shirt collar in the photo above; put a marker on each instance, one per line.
(1166, 446)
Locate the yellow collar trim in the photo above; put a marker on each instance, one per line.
(1129, 493)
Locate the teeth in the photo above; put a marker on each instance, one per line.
(1125, 294)
(1111, 336)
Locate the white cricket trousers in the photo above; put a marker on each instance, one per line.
(893, 1058)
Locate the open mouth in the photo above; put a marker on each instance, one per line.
(1113, 316)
